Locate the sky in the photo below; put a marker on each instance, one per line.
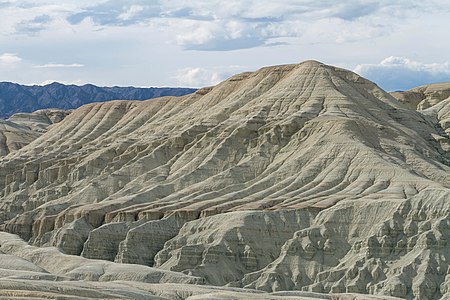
(398, 44)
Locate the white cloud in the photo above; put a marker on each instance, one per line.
(222, 26)
(198, 77)
(58, 66)
(196, 33)
(401, 73)
(49, 81)
(131, 12)
(150, 37)
(240, 24)
(234, 34)
(118, 13)
(9, 58)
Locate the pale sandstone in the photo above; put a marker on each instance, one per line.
(21, 129)
(424, 97)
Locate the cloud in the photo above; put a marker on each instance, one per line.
(198, 77)
(132, 12)
(118, 13)
(146, 41)
(225, 26)
(220, 36)
(238, 24)
(400, 73)
(50, 81)
(9, 58)
(58, 66)
(33, 26)
(230, 35)
(4, 4)
(353, 10)
(260, 23)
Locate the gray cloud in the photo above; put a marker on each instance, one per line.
(33, 26)
(399, 73)
(19, 4)
(5, 4)
(219, 44)
(353, 11)
(260, 21)
(119, 40)
(119, 13)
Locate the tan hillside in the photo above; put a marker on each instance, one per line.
(299, 177)
(424, 97)
(434, 101)
(21, 129)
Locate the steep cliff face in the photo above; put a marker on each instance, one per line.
(304, 177)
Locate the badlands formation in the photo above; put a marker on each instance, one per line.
(22, 128)
(296, 182)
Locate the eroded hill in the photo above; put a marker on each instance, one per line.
(297, 177)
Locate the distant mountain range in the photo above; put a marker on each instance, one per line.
(21, 98)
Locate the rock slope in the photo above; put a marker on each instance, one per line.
(434, 101)
(297, 177)
(424, 97)
(22, 128)
(46, 273)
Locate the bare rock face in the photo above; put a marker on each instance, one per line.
(404, 255)
(299, 177)
(23, 128)
(45, 273)
(224, 247)
(144, 241)
(434, 101)
(424, 97)
(103, 242)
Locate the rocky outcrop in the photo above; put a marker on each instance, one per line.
(43, 273)
(51, 260)
(224, 247)
(388, 248)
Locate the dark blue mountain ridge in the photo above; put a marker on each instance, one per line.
(16, 98)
